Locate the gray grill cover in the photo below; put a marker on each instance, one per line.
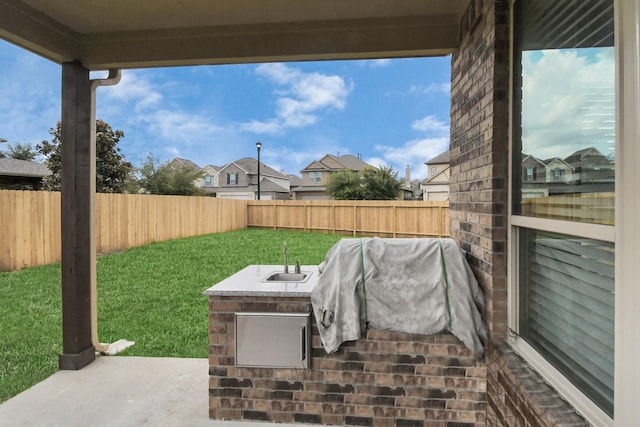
(405, 291)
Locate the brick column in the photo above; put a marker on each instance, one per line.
(479, 151)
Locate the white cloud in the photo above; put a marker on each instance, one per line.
(568, 101)
(180, 126)
(302, 97)
(375, 63)
(431, 88)
(413, 153)
(430, 124)
(134, 89)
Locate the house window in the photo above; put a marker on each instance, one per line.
(232, 178)
(434, 170)
(563, 251)
(315, 177)
(207, 180)
(530, 174)
(557, 174)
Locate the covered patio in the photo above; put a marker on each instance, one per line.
(479, 34)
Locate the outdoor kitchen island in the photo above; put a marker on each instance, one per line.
(385, 378)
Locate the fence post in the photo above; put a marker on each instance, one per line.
(355, 219)
(395, 221)
(333, 216)
(275, 216)
(306, 212)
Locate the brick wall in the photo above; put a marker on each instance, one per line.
(479, 152)
(384, 379)
(516, 394)
(519, 396)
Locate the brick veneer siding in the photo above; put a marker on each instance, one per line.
(384, 379)
(516, 395)
(479, 154)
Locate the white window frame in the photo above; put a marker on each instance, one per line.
(627, 376)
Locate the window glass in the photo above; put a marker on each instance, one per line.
(315, 177)
(564, 132)
(567, 307)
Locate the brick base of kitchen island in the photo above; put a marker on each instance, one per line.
(384, 379)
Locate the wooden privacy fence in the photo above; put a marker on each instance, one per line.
(30, 222)
(369, 218)
(597, 208)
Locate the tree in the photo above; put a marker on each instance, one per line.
(21, 152)
(157, 177)
(112, 170)
(368, 184)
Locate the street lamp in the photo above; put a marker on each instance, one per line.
(258, 146)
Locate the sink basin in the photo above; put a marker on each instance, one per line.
(280, 276)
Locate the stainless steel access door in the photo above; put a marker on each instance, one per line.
(275, 340)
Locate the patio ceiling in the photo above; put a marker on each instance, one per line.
(152, 33)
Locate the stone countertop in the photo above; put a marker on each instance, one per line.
(250, 281)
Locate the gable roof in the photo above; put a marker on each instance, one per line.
(440, 158)
(178, 162)
(250, 165)
(15, 167)
(296, 181)
(347, 161)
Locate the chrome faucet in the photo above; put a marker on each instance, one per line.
(286, 258)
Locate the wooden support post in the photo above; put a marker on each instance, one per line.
(78, 211)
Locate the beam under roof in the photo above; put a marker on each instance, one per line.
(155, 33)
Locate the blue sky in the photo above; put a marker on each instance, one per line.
(390, 112)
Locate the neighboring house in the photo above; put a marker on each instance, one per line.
(179, 163)
(239, 180)
(584, 170)
(436, 185)
(210, 177)
(21, 174)
(316, 175)
(295, 182)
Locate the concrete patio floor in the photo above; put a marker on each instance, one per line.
(120, 391)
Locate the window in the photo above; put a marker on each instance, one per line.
(563, 229)
(207, 180)
(530, 174)
(557, 174)
(315, 177)
(434, 171)
(232, 178)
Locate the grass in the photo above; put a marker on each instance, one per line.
(150, 294)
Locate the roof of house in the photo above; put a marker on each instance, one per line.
(349, 161)
(179, 162)
(296, 181)
(352, 162)
(440, 158)
(15, 167)
(250, 166)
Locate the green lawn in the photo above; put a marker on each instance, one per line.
(151, 295)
